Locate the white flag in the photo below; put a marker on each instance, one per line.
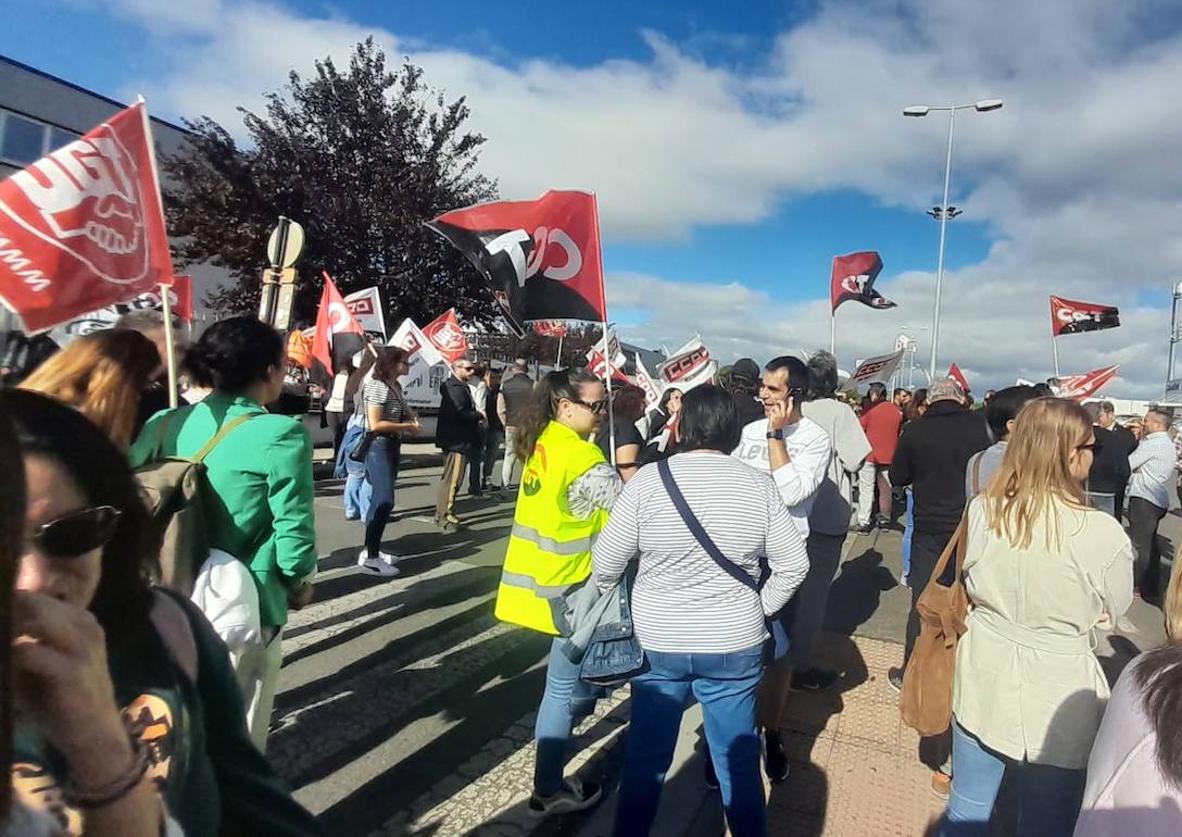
(652, 390)
(874, 369)
(366, 307)
(688, 362)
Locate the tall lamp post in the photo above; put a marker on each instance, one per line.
(982, 106)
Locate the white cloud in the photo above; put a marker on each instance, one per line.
(1076, 176)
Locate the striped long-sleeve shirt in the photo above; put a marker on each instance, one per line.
(683, 602)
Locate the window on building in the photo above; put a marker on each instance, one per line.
(21, 140)
(59, 139)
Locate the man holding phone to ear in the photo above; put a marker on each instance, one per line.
(796, 451)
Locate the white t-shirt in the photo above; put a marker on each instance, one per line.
(809, 450)
(479, 390)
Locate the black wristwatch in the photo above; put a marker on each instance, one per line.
(776, 434)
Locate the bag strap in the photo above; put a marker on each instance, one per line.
(958, 543)
(219, 436)
(158, 449)
(172, 624)
(695, 527)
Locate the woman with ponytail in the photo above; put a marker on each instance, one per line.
(567, 489)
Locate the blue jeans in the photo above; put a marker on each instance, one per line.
(381, 470)
(908, 531)
(1048, 797)
(358, 494)
(727, 686)
(566, 701)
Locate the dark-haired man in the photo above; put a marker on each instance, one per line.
(743, 385)
(1109, 474)
(797, 451)
(1000, 415)
(455, 434)
(901, 397)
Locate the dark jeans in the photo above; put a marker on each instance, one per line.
(1144, 518)
(476, 461)
(381, 470)
(726, 685)
(925, 554)
(492, 446)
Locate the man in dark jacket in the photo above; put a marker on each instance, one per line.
(511, 404)
(744, 383)
(1110, 465)
(931, 458)
(456, 433)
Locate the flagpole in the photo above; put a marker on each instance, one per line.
(1055, 349)
(833, 333)
(611, 413)
(169, 341)
(558, 360)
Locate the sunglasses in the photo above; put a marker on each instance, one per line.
(596, 407)
(76, 533)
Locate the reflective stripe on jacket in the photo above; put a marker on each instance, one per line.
(549, 551)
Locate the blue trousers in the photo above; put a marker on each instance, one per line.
(381, 471)
(358, 493)
(908, 532)
(726, 685)
(566, 701)
(1048, 797)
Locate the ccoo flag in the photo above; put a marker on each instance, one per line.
(853, 279)
(83, 228)
(338, 336)
(1071, 317)
(541, 257)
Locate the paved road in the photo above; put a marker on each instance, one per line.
(405, 708)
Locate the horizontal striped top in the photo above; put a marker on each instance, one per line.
(683, 602)
(390, 399)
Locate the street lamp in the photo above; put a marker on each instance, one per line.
(982, 106)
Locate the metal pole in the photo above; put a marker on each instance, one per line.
(558, 360)
(169, 345)
(1055, 349)
(943, 232)
(833, 333)
(1173, 333)
(277, 266)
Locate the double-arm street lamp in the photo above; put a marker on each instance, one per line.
(944, 214)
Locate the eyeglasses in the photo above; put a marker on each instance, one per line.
(76, 533)
(596, 407)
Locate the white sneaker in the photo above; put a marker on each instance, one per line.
(377, 566)
(389, 557)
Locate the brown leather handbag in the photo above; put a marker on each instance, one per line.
(926, 703)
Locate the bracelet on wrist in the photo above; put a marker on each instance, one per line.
(117, 788)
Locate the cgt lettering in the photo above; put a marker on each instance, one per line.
(543, 256)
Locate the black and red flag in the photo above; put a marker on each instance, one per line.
(338, 336)
(1071, 317)
(541, 257)
(853, 279)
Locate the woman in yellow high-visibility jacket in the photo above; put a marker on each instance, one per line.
(567, 488)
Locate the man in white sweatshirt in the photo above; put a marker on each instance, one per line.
(796, 451)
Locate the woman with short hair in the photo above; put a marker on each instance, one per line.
(1043, 571)
(701, 627)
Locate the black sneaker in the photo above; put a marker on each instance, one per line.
(710, 775)
(866, 528)
(573, 796)
(775, 760)
(814, 680)
(895, 678)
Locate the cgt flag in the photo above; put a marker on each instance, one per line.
(853, 279)
(1079, 387)
(338, 336)
(1071, 317)
(541, 257)
(447, 336)
(83, 228)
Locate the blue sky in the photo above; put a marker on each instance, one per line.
(737, 148)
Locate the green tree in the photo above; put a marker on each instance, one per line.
(361, 159)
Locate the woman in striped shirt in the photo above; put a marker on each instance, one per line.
(702, 630)
(387, 416)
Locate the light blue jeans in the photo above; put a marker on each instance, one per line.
(727, 686)
(908, 531)
(358, 493)
(566, 701)
(1048, 797)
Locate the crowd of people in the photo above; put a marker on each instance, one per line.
(702, 532)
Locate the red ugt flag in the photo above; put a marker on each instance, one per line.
(83, 228)
(541, 256)
(853, 279)
(338, 336)
(445, 334)
(1071, 317)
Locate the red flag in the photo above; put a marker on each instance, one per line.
(447, 336)
(1086, 385)
(181, 297)
(338, 336)
(597, 365)
(1071, 317)
(542, 256)
(550, 328)
(853, 278)
(955, 374)
(83, 228)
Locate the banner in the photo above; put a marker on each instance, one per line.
(853, 278)
(338, 336)
(428, 370)
(409, 337)
(541, 257)
(686, 363)
(180, 300)
(875, 369)
(550, 328)
(1071, 317)
(706, 374)
(652, 390)
(366, 306)
(1080, 387)
(83, 228)
(447, 336)
(955, 374)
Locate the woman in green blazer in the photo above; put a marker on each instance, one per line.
(261, 480)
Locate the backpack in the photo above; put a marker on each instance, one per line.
(175, 489)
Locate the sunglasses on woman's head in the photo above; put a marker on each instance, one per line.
(77, 533)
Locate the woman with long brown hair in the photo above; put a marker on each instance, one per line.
(103, 375)
(1042, 570)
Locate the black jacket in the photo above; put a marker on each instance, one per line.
(516, 388)
(1110, 466)
(932, 455)
(458, 426)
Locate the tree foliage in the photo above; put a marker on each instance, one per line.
(361, 159)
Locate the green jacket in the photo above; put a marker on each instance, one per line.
(261, 474)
